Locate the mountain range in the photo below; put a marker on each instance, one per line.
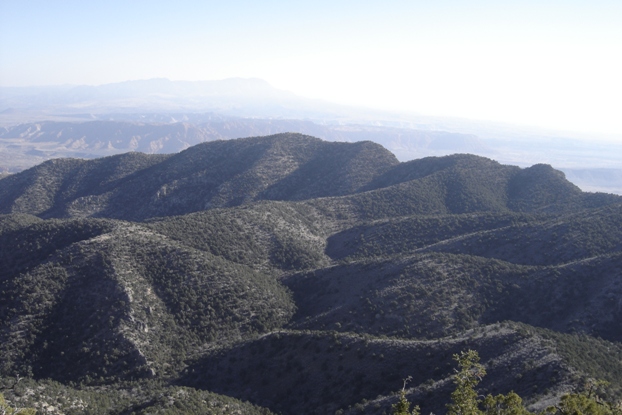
(246, 97)
(163, 116)
(288, 274)
(25, 145)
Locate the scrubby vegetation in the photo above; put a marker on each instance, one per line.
(304, 277)
(465, 399)
(144, 397)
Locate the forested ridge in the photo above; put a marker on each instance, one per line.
(301, 276)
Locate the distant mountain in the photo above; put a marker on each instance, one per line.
(237, 107)
(302, 276)
(25, 145)
(608, 180)
(249, 97)
(104, 136)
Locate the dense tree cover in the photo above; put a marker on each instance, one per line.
(320, 372)
(430, 295)
(408, 233)
(13, 222)
(27, 241)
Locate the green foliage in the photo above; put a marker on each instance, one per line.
(402, 407)
(464, 399)
(144, 397)
(510, 404)
(6, 409)
(580, 404)
(587, 402)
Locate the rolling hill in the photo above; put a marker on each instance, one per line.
(302, 276)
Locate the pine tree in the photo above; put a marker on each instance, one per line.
(510, 404)
(464, 400)
(402, 407)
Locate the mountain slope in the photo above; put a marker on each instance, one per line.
(323, 372)
(433, 295)
(123, 302)
(461, 184)
(216, 174)
(268, 236)
(305, 277)
(139, 397)
(527, 239)
(54, 185)
(365, 181)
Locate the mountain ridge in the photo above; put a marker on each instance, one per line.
(284, 167)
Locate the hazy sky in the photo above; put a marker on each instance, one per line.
(544, 63)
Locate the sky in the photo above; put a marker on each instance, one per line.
(546, 63)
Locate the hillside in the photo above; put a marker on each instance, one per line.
(269, 236)
(99, 301)
(215, 174)
(138, 397)
(323, 372)
(369, 180)
(302, 276)
(527, 239)
(432, 295)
